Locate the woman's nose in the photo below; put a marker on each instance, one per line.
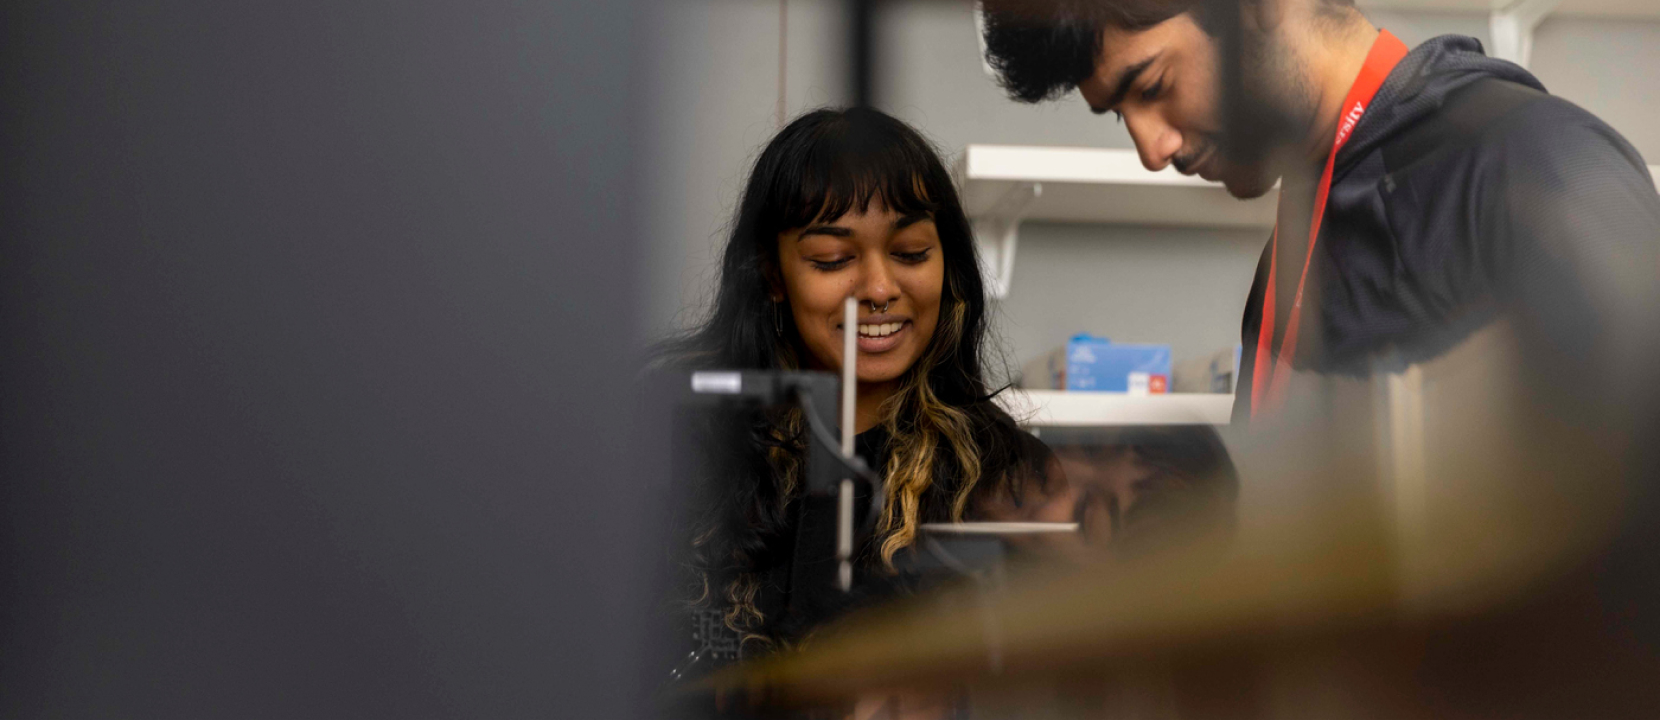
(877, 286)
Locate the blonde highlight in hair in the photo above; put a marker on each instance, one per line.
(929, 428)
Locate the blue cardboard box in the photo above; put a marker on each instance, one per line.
(1090, 363)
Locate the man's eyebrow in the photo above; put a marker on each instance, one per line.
(830, 230)
(911, 219)
(1122, 87)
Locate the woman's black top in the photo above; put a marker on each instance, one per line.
(796, 590)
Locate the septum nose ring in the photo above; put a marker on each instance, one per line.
(884, 306)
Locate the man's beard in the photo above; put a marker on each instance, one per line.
(1267, 104)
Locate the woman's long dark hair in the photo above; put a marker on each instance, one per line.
(822, 165)
(945, 432)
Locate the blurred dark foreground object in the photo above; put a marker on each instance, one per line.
(1450, 541)
(316, 318)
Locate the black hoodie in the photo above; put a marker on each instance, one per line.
(1466, 193)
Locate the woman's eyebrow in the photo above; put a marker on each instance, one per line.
(906, 221)
(830, 230)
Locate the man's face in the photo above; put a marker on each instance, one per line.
(1165, 83)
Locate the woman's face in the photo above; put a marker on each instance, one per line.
(891, 264)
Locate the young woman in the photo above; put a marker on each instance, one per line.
(847, 203)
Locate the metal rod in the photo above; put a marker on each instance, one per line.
(783, 58)
(862, 58)
(844, 506)
(850, 378)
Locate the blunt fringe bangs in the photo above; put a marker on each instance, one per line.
(834, 162)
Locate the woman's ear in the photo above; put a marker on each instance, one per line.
(775, 284)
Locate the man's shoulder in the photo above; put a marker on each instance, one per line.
(1494, 115)
(1500, 132)
(1545, 124)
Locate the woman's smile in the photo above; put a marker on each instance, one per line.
(881, 333)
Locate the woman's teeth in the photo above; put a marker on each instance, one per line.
(882, 330)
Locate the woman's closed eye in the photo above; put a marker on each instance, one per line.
(913, 258)
(830, 265)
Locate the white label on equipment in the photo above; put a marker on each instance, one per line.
(718, 383)
(1138, 382)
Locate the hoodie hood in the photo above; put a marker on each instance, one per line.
(1417, 87)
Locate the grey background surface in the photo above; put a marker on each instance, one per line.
(312, 404)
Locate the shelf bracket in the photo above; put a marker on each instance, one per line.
(1512, 27)
(998, 232)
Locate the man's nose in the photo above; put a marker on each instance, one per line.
(1156, 142)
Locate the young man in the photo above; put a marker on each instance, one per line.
(1424, 193)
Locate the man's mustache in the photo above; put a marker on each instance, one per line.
(1184, 162)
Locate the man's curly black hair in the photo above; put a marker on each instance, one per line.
(1041, 49)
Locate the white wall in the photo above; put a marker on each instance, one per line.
(1610, 67)
(1185, 287)
(1416, 27)
(934, 79)
(717, 84)
(714, 88)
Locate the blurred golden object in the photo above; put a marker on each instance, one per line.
(1417, 544)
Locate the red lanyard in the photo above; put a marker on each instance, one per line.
(1386, 52)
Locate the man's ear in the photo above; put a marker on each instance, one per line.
(1264, 16)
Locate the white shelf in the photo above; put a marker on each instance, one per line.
(1098, 185)
(1576, 8)
(1006, 185)
(1058, 408)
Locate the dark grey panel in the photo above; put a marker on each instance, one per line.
(313, 318)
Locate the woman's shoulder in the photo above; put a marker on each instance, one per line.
(994, 424)
(1005, 447)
